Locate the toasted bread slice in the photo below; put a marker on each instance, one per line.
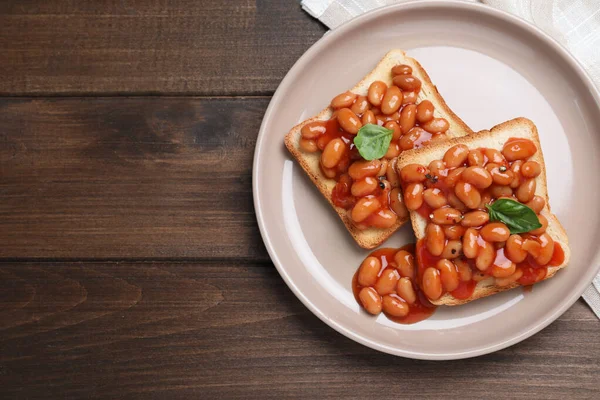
(495, 139)
(372, 237)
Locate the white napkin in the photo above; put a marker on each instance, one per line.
(574, 23)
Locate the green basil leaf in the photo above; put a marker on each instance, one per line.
(517, 216)
(373, 141)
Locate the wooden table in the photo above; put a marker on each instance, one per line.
(131, 261)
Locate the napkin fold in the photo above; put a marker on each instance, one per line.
(573, 23)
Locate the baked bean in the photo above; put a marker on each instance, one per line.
(475, 158)
(376, 92)
(308, 146)
(495, 232)
(546, 249)
(365, 207)
(361, 104)
(477, 176)
(362, 168)
(383, 168)
(486, 199)
(530, 169)
(542, 229)
(452, 249)
(392, 100)
(470, 246)
(343, 100)
(370, 300)
(329, 172)
(513, 250)
(394, 116)
(455, 202)
(494, 156)
(393, 151)
(475, 218)
(333, 153)
(432, 283)
(454, 176)
(425, 111)
(453, 232)
(313, 130)
(500, 174)
(368, 118)
(536, 204)
(395, 127)
(468, 194)
(394, 306)
(405, 262)
(406, 291)
(532, 247)
(381, 119)
(446, 216)
(349, 121)
(516, 170)
(413, 173)
(526, 191)
(401, 69)
(518, 149)
(485, 255)
(364, 187)
(413, 196)
(383, 219)
(448, 274)
(376, 110)
(498, 191)
(456, 156)
(437, 167)
(434, 198)
(407, 141)
(464, 270)
(509, 280)
(409, 97)
(434, 239)
(436, 125)
(503, 269)
(387, 281)
(391, 175)
(369, 271)
(397, 204)
(408, 83)
(408, 117)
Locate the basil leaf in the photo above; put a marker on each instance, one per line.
(517, 216)
(373, 141)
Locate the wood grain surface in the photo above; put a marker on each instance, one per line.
(142, 178)
(191, 47)
(221, 330)
(131, 265)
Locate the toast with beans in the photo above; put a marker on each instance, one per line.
(397, 95)
(480, 211)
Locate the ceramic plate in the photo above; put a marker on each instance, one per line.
(490, 67)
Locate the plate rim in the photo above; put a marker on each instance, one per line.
(330, 35)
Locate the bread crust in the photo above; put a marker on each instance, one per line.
(371, 237)
(494, 138)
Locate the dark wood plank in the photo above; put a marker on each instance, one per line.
(142, 178)
(208, 47)
(156, 330)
